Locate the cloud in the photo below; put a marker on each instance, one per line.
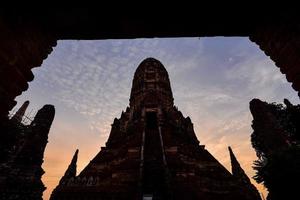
(213, 80)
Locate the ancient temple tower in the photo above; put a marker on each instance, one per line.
(153, 153)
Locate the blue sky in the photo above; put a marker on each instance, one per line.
(213, 80)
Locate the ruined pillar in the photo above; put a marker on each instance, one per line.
(20, 175)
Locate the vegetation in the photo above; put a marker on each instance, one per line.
(276, 141)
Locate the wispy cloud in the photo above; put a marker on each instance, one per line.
(213, 80)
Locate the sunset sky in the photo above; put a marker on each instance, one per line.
(213, 80)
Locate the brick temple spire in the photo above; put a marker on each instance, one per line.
(40, 127)
(153, 153)
(151, 85)
(71, 171)
(241, 176)
(236, 168)
(20, 113)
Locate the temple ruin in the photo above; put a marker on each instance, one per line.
(22, 154)
(29, 33)
(153, 153)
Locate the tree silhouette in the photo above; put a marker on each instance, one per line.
(276, 141)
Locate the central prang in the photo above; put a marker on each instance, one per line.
(151, 86)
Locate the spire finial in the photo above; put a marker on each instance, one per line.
(20, 113)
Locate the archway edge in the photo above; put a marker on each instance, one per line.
(28, 35)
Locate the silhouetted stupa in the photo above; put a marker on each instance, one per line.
(152, 153)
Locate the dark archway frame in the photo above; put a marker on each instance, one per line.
(27, 36)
